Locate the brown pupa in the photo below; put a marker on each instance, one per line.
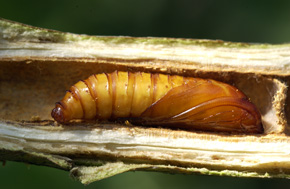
(160, 100)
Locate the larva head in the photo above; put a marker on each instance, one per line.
(59, 113)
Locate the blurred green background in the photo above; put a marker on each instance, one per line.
(260, 21)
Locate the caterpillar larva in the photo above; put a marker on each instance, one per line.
(160, 100)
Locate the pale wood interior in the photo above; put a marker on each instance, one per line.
(29, 90)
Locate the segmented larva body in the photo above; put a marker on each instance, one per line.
(160, 100)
